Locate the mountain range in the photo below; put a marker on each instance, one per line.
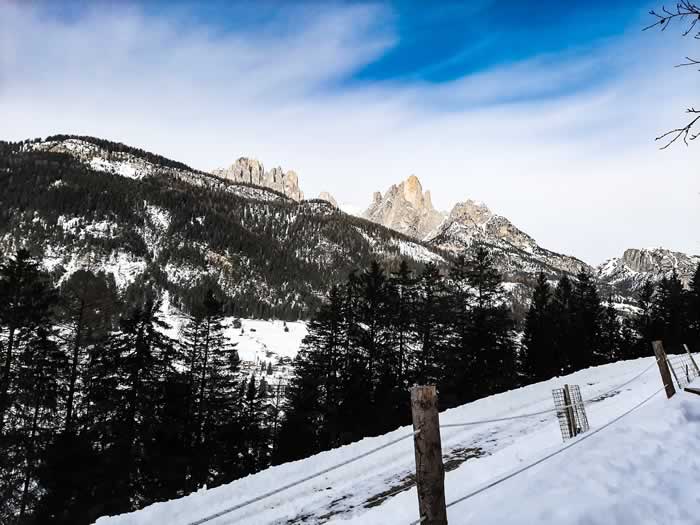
(84, 202)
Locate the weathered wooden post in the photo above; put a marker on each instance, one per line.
(430, 472)
(662, 362)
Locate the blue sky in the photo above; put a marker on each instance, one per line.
(544, 110)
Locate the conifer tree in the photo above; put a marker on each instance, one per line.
(401, 321)
(26, 306)
(563, 333)
(491, 328)
(644, 322)
(458, 363)
(211, 386)
(586, 308)
(670, 313)
(539, 359)
(431, 330)
(40, 381)
(693, 308)
(132, 371)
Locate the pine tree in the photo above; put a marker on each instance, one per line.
(491, 337)
(693, 309)
(669, 313)
(612, 345)
(211, 387)
(316, 397)
(30, 380)
(458, 363)
(27, 301)
(644, 323)
(563, 334)
(586, 310)
(401, 321)
(139, 359)
(40, 382)
(87, 312)
(540, 360)
(431, 330)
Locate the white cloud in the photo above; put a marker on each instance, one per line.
(570, 161)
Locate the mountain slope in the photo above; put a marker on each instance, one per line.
(621, 475)
(516, 253)
(628, 272)
(91, 203)
(409, 210)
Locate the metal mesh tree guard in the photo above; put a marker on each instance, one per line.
(684, 369)
(571, 412)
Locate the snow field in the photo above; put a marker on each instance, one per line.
(641, 469)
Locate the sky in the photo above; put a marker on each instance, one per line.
(546, 111)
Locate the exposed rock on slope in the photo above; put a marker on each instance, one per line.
(406, 209)
(84, 202)
(324, 195)
(516, 253)
(628, 273)
(252, 171)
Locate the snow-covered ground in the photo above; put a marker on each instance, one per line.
(644, 468)
(256, 340)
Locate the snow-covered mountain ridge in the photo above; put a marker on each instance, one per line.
(406, 208)
(83, 202)
(635, 266)
(641, 460)
(262, 246)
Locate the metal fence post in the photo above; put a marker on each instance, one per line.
(573, 431)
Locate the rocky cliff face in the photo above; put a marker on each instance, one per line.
(252, 171)
(628, 273)
(405, 208)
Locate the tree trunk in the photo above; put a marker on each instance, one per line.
(30, 454)
(4, 402)
(74, 367)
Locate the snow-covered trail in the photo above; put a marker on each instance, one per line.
(353, 493)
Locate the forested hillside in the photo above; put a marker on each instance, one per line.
(88, 203)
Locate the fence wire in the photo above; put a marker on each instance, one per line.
(573, 443)
(549, 410)
(302, 480)
(278, 490)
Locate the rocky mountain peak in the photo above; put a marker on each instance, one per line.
(252, 171)
(470, 211)
(324, 195)
(405, 208)
(413, 192)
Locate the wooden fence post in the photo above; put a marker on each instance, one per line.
(662, 362)
(430, 472)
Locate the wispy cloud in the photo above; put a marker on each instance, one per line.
(561, 144)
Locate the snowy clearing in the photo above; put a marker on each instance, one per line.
(644, 468)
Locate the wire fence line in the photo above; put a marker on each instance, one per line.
(548, 410)
(583, 437)
(320, 473)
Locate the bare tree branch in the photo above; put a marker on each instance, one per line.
(685, 11)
